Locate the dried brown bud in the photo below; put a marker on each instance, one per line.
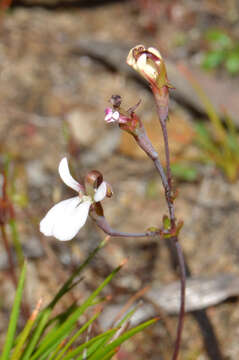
(116, 101)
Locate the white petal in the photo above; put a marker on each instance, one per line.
(51, 218)
(147, 68)
(155, 52)
(65, 219)
(116, 115)
(141, 62)
(66, 176)
(108, 117)
(71, 222)
(100, 193)
(130, 58)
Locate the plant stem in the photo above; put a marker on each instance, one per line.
(103, 225)
(209, 336)
(144, 142)
(167, 190)
(9, 254)
(182, 301)
(146, 145)
(168, 194)
(167, 154)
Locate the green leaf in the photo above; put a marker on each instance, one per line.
(14, 316)
(232, 62)
(166, 222)
(213, 59)
(185, 172)
(219, 38)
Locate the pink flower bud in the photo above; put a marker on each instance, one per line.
(111, 116)
(115, 116)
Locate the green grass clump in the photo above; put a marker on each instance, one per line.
(223, 52)
(56, 338)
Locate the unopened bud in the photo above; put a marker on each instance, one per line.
(116, 101)
(149, 63)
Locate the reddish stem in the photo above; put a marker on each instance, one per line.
(103, 225)
(173, 221)
(9, 254)
(182, 302)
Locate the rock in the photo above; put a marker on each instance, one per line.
(201, 292)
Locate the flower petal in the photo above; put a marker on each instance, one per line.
(132, 56)
(142, 62)
(71, 222)
(100, 193)
(154, 51)
(115, 115)
(51, 218)
(65, 219)
(66, 176)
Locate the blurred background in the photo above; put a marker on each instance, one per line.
(60, 62)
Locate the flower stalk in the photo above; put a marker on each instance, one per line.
(150, 64)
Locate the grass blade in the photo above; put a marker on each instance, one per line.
(63, 330)
(71, 354)
(45, 313)
(25, 333)
(209, 107)
(68, 284)
(114, 344)
(14, 316)
(77, 334)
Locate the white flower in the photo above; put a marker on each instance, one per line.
(65, 219)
